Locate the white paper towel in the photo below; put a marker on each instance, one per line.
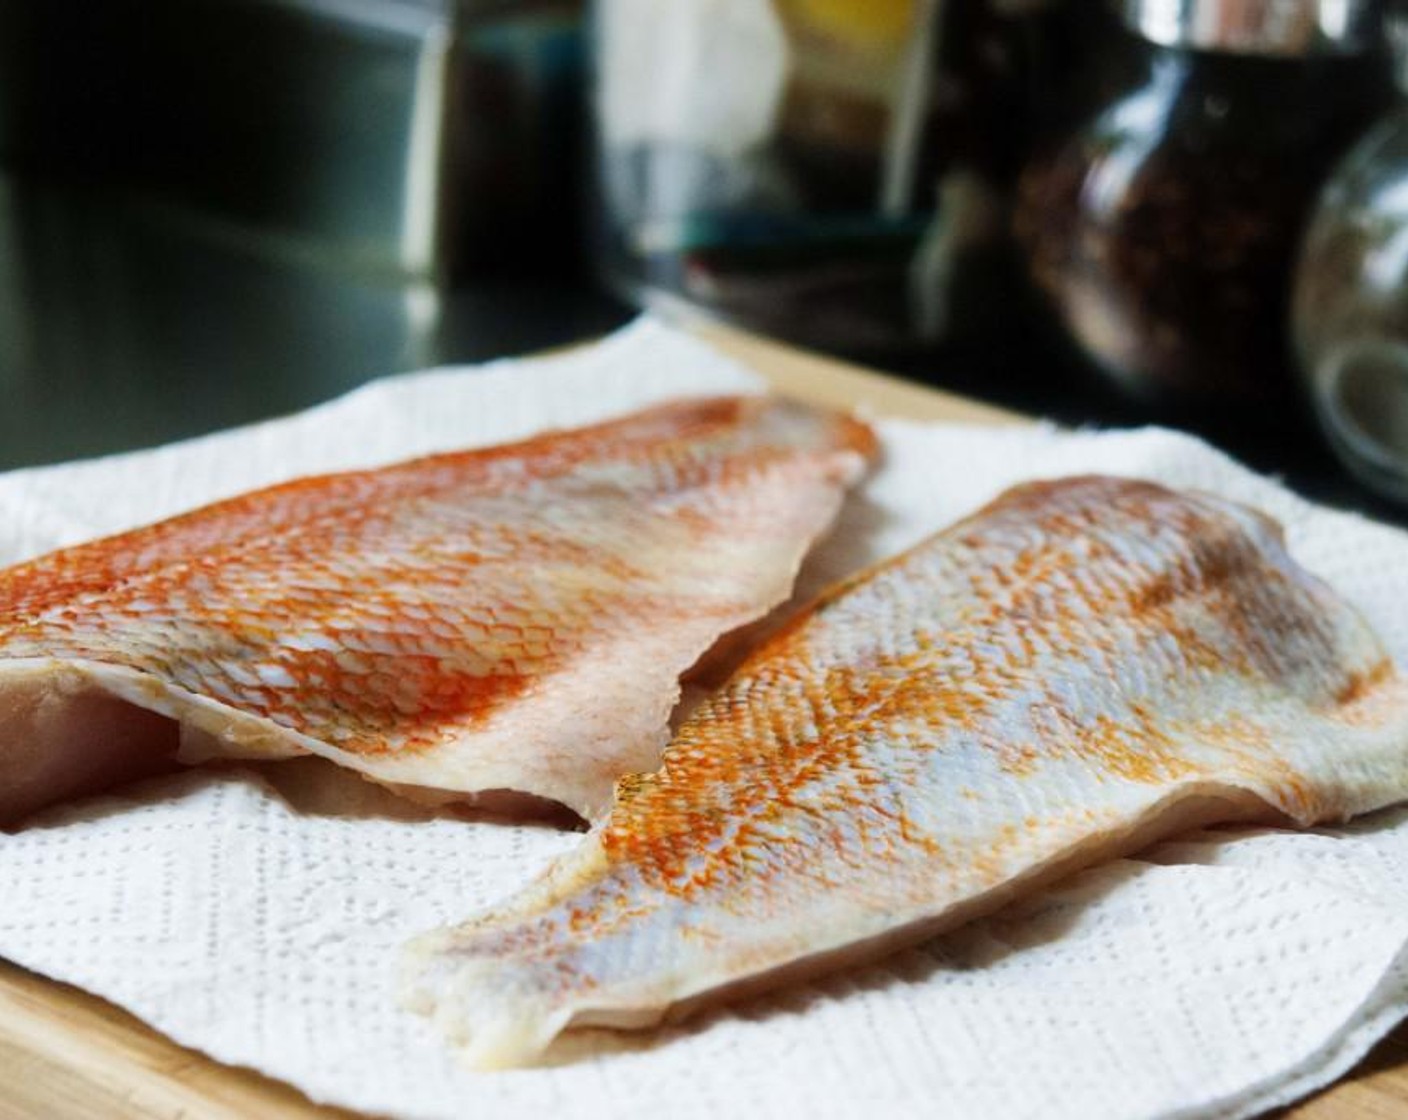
(259, 916)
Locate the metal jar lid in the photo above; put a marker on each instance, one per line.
(1287, 28)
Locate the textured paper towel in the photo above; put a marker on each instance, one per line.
(259, 917)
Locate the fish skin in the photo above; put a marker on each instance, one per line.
(511, 618)
(1075, 670)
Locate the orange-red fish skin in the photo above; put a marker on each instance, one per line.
(507, 618)
(1081, 666)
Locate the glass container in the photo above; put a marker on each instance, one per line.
(831, 172)
(1351, 298)
(1163, 228)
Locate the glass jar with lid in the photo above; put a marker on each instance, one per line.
(1164, 228)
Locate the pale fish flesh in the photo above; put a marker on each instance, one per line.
(514, 618)
(1077, 669)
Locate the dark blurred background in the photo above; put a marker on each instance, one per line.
(213, 211)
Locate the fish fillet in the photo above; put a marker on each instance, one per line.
(515, 618)
(1075, 670)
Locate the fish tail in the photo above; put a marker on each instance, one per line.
(481, 1004)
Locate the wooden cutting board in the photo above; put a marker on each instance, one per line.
(67, 1055)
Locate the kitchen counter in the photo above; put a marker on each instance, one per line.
(124, 323)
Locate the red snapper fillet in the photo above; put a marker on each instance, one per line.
(1080, 668)
(515, 618)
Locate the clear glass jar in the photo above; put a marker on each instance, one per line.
(1351, 307)
(833, 172)
(1164, 228)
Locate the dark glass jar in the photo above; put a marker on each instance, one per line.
(1164, 228)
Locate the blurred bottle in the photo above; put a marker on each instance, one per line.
(1163, 227)
(831, 172)
(1351, 297)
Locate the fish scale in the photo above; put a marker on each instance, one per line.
(1082, 666)
(506, 618)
